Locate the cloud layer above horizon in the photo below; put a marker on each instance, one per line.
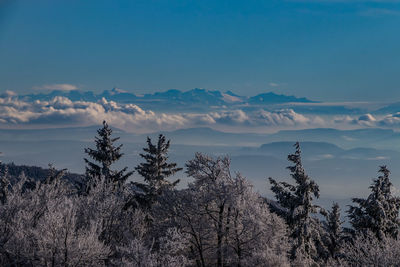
(16, 112)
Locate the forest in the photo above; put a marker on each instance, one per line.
(103, 218)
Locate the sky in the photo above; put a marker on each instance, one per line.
(326, 50)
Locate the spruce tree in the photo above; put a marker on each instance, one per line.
(379, 212)
(155, 170)
(296, 206)
(334, 231)
(4, 184)
(105, 154)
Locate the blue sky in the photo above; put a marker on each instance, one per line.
(329, 50)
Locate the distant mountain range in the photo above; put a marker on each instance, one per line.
(176, 98)
(202, 99)
(347, 139)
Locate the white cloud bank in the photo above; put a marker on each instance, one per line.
(369, 120)
(61, 111)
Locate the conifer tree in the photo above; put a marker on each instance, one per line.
(155, 170)
(105, 154)
(296, 206)
(4, 184)
(379, 212)
(334, 230)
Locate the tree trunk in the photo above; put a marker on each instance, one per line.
(220, 236)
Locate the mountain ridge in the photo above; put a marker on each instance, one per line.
(189, 97)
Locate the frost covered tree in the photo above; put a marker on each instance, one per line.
(105, 154)
(212, 184)
(368, 250)
(156, 169)
(379, 212)
(168, 254)
(181, 209)
(255, 237)
(61, 242)
(127, 232)
(54, 174)
(296, 206)
(227, 224)
(39, 228)
(105, 204)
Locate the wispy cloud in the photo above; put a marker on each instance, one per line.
(379, 12)
(273, 84)
(345, 1)
(57, 86)
(8, 93)
(363, 8)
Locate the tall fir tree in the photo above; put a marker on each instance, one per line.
(296, 206)
(379, 212)
(155, 170)
(105, 154)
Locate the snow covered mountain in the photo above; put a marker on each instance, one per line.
(187, 98)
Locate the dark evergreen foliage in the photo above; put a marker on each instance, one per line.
(296, 204)
(106, 153)
(379, 212)
(335, 235)
(155, 170)
(4, 184)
